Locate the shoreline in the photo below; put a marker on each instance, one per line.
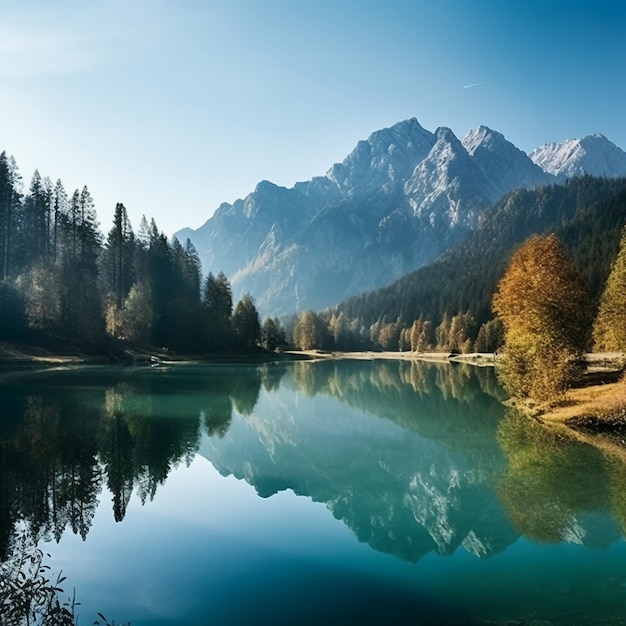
(479, 359)
(594, 412)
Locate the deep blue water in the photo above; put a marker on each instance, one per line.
(335, 493)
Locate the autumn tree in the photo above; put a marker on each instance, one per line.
(489, 338)
(137, 314)
(40, 289)
(609, 331)
(389, 335)
(421, 335)
(311, 332)
(544, 308)
(461, 327)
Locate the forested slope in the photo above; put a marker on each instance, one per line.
(586, 213)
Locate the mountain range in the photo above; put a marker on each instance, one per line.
(398, 201)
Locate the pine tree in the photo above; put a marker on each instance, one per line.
(81, 302)
(10, 188)
(59, 213)
(245, 321)
(272, 334)
(218, 305)
(117, 263)
(187, 312)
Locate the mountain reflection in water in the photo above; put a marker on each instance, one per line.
(412, 457)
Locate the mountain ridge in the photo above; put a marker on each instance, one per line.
(400, 199)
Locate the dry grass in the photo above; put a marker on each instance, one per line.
(602, 401)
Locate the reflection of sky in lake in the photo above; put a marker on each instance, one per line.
(208, 550)
(377, 464)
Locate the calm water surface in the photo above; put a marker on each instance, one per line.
(311, 493)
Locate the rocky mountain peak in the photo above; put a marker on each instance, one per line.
(401, 198)
(387, 156)
(483, 138)
(592, 154)
(504, 164)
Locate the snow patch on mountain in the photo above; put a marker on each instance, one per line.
(401, 198)
(593, 154)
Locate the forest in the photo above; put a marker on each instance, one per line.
(447, 306)
(65, 286)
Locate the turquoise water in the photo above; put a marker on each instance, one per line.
(334, 492)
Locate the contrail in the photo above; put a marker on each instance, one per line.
(472, 85)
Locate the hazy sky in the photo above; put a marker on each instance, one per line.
(175, 107)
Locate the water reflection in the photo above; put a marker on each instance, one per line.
(65, 434)
(556, 489)
(407, 458)
(412, 457)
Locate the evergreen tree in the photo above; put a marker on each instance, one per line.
(245, 321)
(218, 305)
(12, 324)
(32, 233)
(187, 314)
(10, 194)
(161, 278)
(490, 336)
(81, 302)
(117, 259)
(59, 213)
(272, 334)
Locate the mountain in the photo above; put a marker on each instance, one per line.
(586, 213)
(398, 201)
(593, 154)
(508, 166)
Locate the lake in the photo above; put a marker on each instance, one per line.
(338, 492)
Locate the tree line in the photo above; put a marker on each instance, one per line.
(446, 306)
(63, 283)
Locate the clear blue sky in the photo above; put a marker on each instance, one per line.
(175, 107)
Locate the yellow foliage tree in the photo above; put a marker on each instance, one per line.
(609, 331)
(311, 332)
(544, 308)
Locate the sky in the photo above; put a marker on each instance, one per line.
(175, 107)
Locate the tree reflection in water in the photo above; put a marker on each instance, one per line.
(554, 486)
(65, 435)
(413, 457)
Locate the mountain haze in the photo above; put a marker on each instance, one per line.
(586, 213)
(398, 201)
